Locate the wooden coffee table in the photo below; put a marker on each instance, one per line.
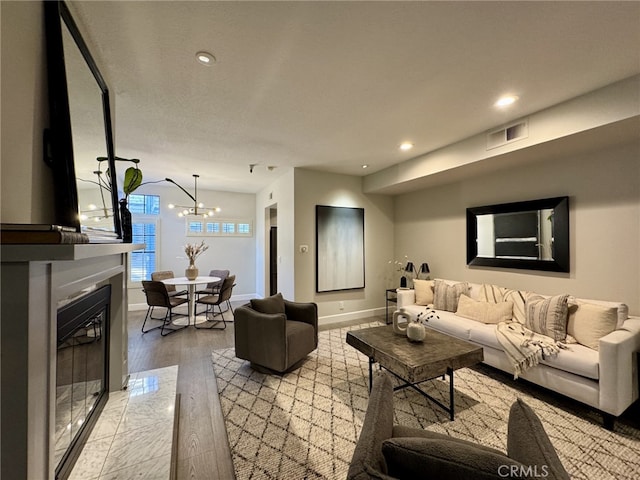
(413, 363)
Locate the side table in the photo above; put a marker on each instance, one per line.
(391, 296)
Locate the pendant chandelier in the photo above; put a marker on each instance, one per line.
(198, 209)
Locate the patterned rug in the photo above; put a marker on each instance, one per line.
(305, 424)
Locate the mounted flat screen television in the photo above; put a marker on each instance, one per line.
(80, 130)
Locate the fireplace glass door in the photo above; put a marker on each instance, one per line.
(80, 372)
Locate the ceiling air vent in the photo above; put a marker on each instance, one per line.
(508, 134)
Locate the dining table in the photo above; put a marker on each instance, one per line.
(193, 319)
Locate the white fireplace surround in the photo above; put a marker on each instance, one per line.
(34, 279)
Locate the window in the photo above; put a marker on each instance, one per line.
(144, 209)
(219, 227)
(143, 262)
(144, 204)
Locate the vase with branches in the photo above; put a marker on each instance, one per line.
(193, 251)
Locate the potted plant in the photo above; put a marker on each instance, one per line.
(132, 180)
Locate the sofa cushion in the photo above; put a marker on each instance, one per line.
(424, 291)
(444, 458)
(519, 299)
(588, 323)
(449, 323)
(527, 442)
(548, 316)
(484, 312)
(622, 309)
(576, 359)
(445, 297)
(492, 293)
(272, 304)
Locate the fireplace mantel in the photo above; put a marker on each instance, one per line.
(34, 279)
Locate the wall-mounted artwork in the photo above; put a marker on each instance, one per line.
(339, 248)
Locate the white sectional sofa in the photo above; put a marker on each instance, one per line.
(606, 379)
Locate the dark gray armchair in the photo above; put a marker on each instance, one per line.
(274, 333)
(388, 451)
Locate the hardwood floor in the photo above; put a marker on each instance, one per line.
(203, 450)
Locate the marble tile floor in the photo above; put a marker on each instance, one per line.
(132, 438)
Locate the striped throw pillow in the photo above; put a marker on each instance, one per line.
(518, 298)
(548, 316)
(445, 297)
(492, 293)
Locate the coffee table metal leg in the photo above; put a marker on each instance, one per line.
(371, 362)
(451, 404)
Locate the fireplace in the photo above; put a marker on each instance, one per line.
(81, 372)
(39, 281)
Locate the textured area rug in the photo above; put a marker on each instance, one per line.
(305, 424)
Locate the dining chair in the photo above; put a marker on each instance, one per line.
(213, 287)
(171, 289)
(158, 296)
(211, 301)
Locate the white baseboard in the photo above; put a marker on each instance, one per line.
(244, 297)
(344, 317)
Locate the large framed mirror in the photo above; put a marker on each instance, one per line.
(532, 235)
(79, 144)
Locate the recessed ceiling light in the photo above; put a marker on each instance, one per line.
(205, 58)
(406, 146)
(365, 166)
(506, 101)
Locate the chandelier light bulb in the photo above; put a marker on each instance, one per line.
(211, 213)
(180, 214)
(201, 205)
(171, 205)
(185, 212)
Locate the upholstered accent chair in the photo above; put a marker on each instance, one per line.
(388, 451)
(274, 334)
(158, 296)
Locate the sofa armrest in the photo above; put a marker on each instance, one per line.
(302, 312)
(406, 297)
(619, 367)
(260, 337)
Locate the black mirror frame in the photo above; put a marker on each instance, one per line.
(58, 142)
(561, 261)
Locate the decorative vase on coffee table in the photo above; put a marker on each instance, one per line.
(191, 272)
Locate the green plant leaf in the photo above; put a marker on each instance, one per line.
(132, 180)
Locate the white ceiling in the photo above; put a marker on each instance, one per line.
(334, 85)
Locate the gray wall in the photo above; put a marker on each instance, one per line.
(604, 191)
(26, 182)
(318, 188)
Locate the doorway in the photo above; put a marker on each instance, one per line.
(273, 260)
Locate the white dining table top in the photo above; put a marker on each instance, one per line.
(186, 281)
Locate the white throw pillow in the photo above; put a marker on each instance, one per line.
(485, 312)
(589, 322)
(424, 291)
